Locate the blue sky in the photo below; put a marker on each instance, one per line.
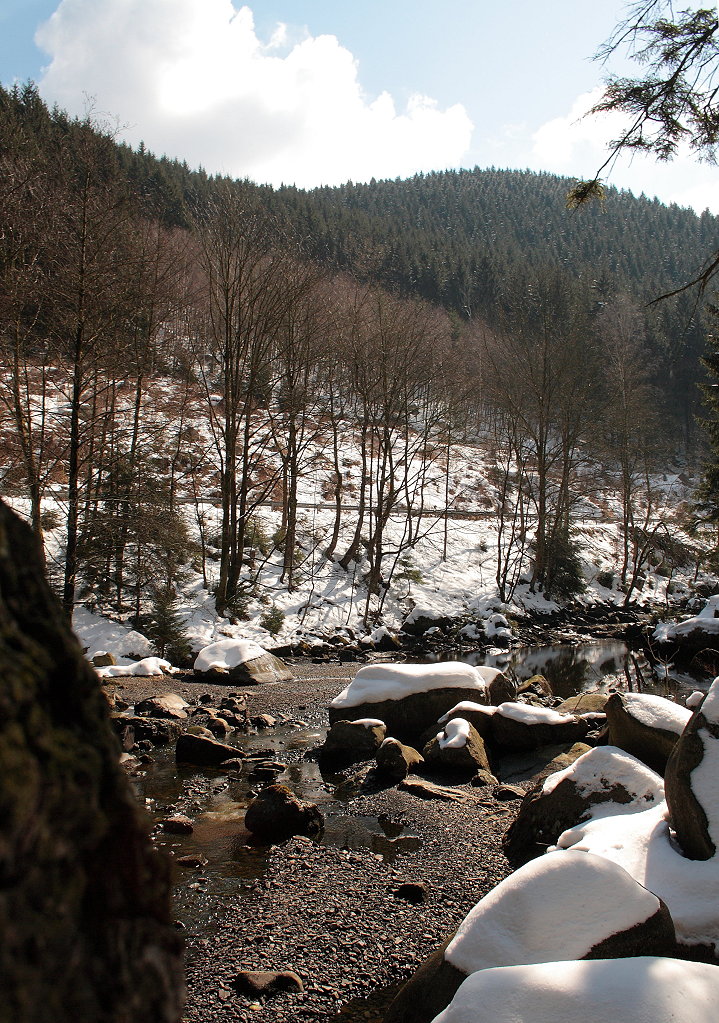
(318, 92)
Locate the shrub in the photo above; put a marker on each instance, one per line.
(273, 619)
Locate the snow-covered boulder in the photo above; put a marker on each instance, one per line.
(692, 781)
(479, 716)
(554, 908)
(240, 660)
(603, 781)
(646, 989)
(646, 726)
(348, 741)
(521, 726)
(497, 630)
(410, 698)
(459, 747)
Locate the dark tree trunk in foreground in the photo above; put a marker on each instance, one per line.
(85, 926)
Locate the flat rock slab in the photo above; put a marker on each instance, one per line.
(428, 790)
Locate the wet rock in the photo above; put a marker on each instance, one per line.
(691, 778)
(349, 741)
(196, 749)
(200, 730)
(265, 984)
(194, 861)
(645, 726)
(276, 814)
(169, 705)
(395, 760)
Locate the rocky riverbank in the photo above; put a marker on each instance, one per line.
(340, 920)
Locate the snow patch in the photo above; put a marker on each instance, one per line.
(455, 735)
(464, 707)
(148, 666)
(530, 715)
(656, 711)
(603, 767)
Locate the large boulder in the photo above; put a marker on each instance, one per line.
(517, 726)
(646, 726)
(85, 911)
(158, 731)
(459, 747)
(552, 909)
(604, 775)
(691, 780)
(240, 660)
(276, 814)
(410, 698)
(349, 741)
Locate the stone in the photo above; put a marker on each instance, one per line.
(507, 793)
(584, 703)
(501, 690)
(169, 705)
(517, 726)
(646, 726)
(469, 756)
(567, 797)
(395, 760)
(428, 790)
(103, 659)
(538, 685)
(196, 749)
(350, 741)
(691, 778)
(265, 984)
(85, 904)
(482, 779)
(276, 814)
(478, 715)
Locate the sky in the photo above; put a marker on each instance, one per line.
(316, 92)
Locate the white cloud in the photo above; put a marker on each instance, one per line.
(192, 79)
(577, 146)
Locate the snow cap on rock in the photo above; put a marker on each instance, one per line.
(378, 682)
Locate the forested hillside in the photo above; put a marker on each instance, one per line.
(178, 350)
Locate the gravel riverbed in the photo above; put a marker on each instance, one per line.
(333, 915)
